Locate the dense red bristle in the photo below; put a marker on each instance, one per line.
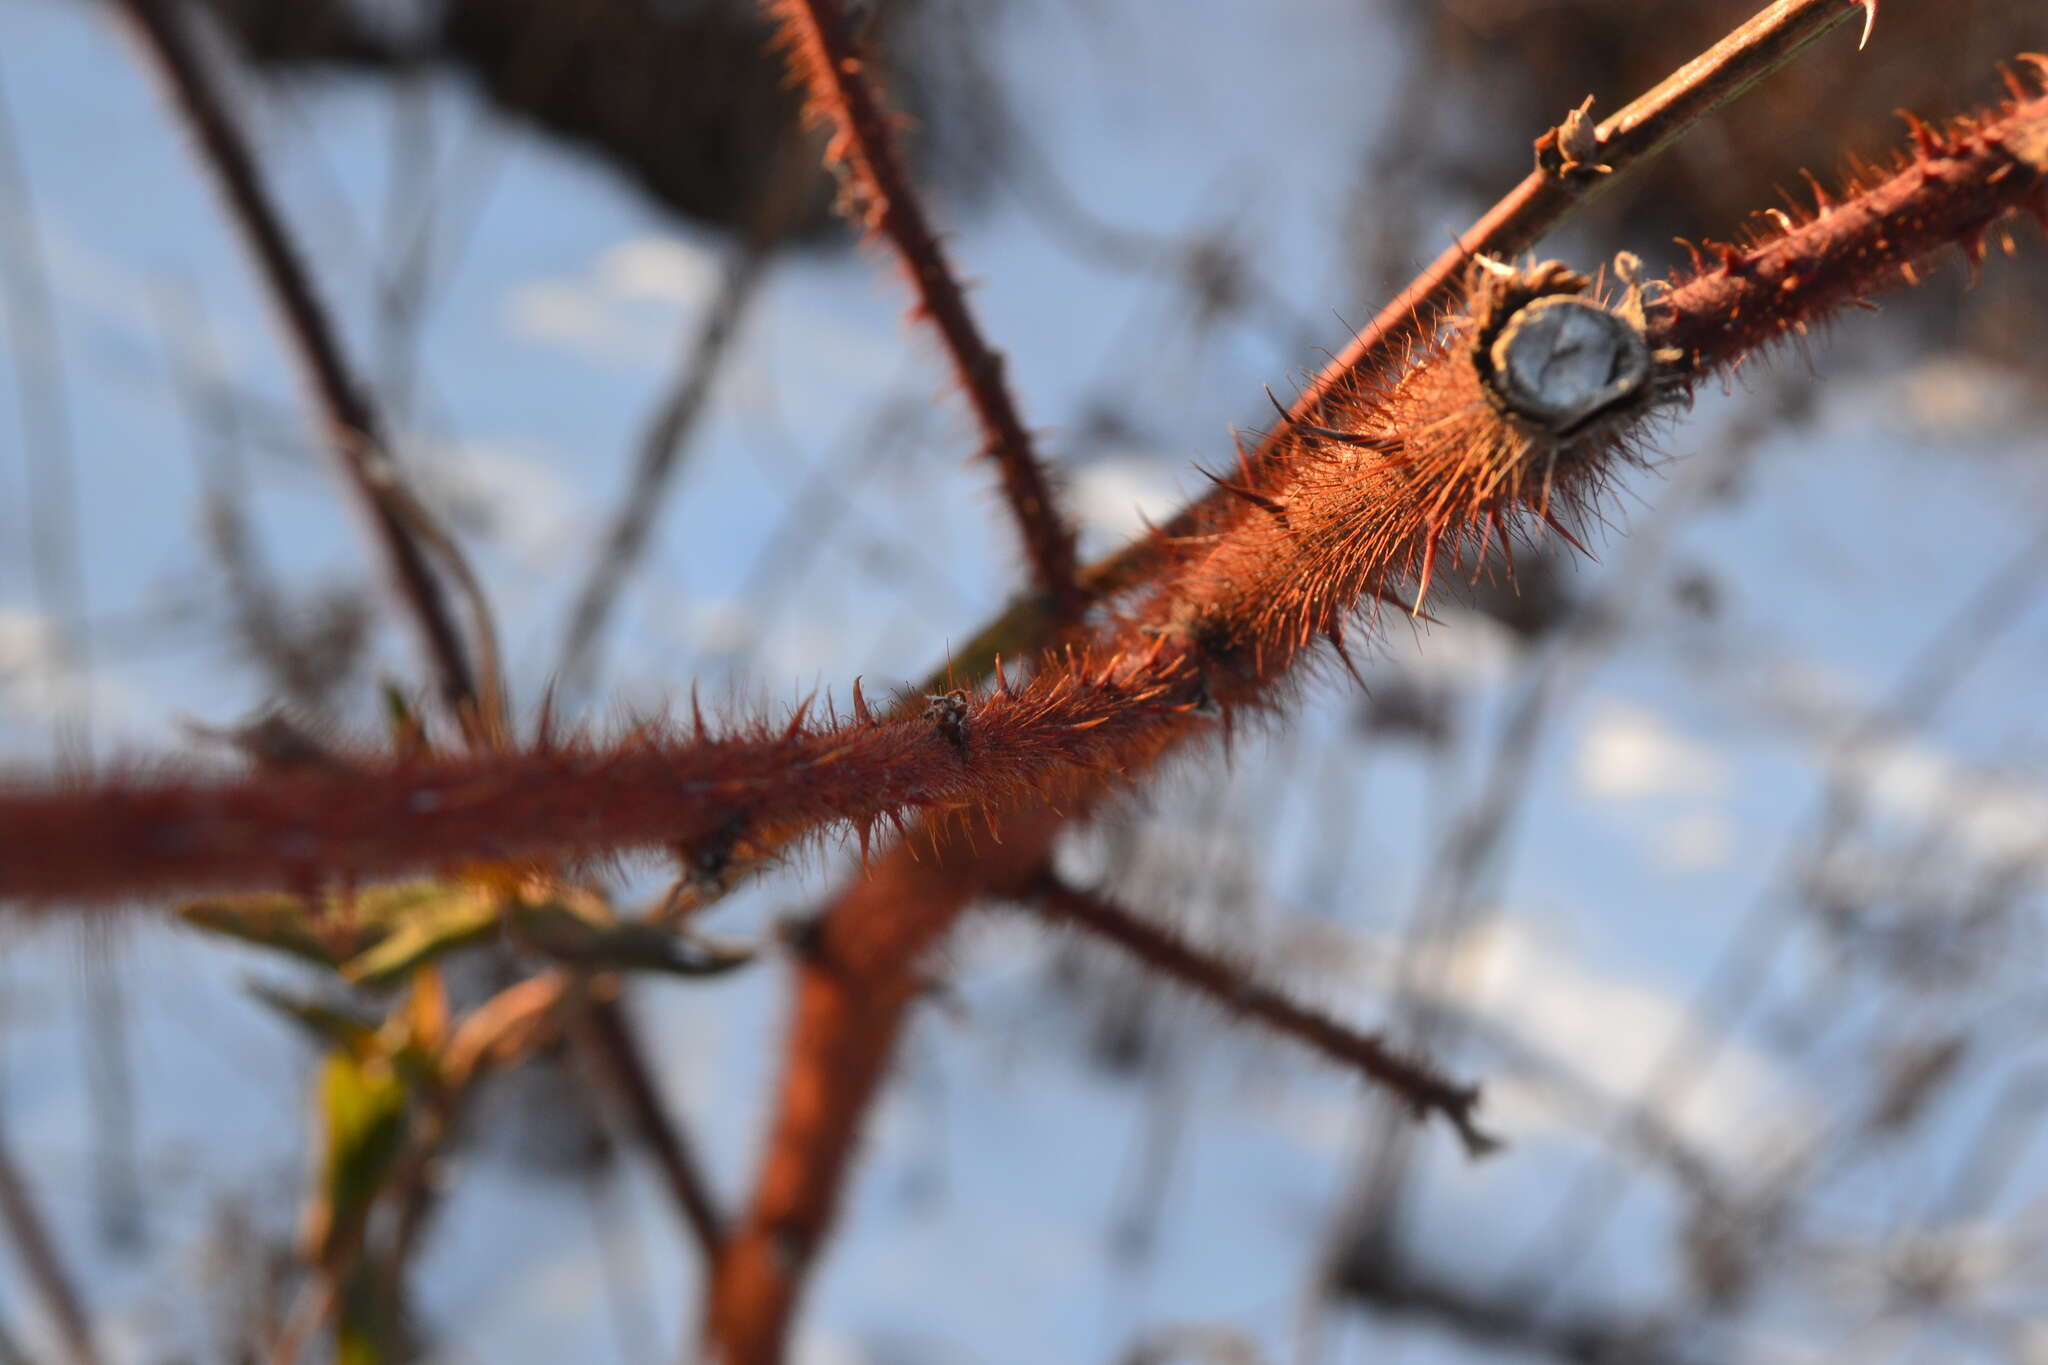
(1927, 140)
(1423, 470)
(1947, 187)
(1822, 200)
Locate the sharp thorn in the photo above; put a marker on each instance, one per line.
(1570, 539)
(1428, 568)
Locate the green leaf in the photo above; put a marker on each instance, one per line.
(421, 929)
(329, 1025)
(362, 1113)
(283, 923)
(634, 945)
(337, 930)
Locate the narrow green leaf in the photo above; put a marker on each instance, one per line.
(568, 936)
(362, 1113)
(422, 929)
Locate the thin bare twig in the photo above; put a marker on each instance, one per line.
(396, 522)
(606, 1036)
(880, 198)
(783, 197)
(662, 449)
(44, 1268)
(48, 450)
(1232, 987)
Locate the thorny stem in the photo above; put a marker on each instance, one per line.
(856, 984)
(1539, 203)
(397, 524)
(1105, 711)
(880, 198)
(1563, 180)
(378, 819)
(1545, 198)
(1232, 987)
(1959, 181)
(857, 976)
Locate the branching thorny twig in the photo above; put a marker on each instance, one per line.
(1575, 161)
(1229, 986)
(1435, 464)
(878, 196)
(1267, 575)
(1506, 419)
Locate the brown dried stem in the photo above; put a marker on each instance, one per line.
(879, 198)
(1232, 987)
(396, 523)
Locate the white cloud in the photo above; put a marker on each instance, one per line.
(1476, 652)
(1993, 815)
(820, 1346)
(1695, 842)
(620, 311)
(517, 499)
(1996, 817)
(1614, 1032)
(572, 315)
(1959, 399)
(717, 625)
(38, 686)
(1627, 753)
(662, 269)
(1115, 497)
